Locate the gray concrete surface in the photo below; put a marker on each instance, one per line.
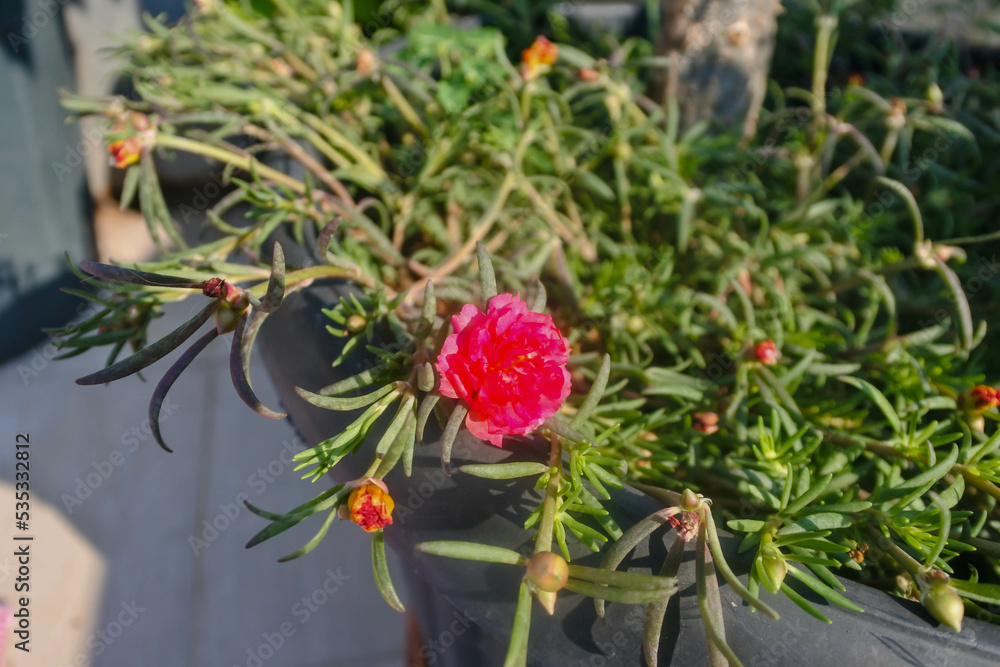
(204, 604)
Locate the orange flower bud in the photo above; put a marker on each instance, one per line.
(542, 53)
(548, 571)
(370, 504)
(974, 402)
(767, 352)
(588, 74)
(127, 151)
(984, 397)
(706, 422)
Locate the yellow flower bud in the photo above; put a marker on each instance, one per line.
(356, 323)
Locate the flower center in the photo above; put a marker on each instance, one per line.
(369, 516)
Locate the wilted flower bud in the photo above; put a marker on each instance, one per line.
(370, 505)
(944, 604)
(548, 571)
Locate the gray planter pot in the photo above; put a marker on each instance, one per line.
(466, 608)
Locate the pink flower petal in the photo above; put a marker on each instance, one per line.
(508, 365)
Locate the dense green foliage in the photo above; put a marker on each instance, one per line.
(848, 231)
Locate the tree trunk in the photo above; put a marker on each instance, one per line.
(721, 52)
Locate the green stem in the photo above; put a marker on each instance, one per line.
(343, 143)
(478, 233)
(827, 25)
(241, 26)
(855, 281)
(984, 485)
(404, 106)
(313, 272)
(244, 162)
(908, 562)
(441, 11)
(543, 539)
(966, 240)
(723, 567)
(710, 605)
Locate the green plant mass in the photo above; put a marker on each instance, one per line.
(783, 334)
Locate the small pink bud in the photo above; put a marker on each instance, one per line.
(767, 352)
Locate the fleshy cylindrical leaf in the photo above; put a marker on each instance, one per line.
(241, 382)
(160, 393)
(151, 353)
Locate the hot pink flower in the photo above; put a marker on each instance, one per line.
(509, 366)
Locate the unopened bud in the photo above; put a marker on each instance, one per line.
(425, 376)
(227, 317)
(774, 571)
(944, 604)
(767, 352)
(690, 501)
(548, 571)
(356, 324)
(635, 325)
(935, 97)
